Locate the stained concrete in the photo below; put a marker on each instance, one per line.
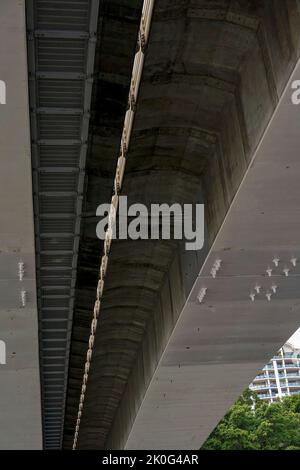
(218, 346)
(20, 405)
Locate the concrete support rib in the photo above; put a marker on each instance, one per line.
(20, 402)
(251, 306)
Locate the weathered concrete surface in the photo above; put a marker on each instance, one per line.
(220, 345)
(213, 74)
(20, 406)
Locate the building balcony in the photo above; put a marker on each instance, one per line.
(268, 367)
(259, 387)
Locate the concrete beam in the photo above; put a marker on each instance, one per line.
(20, 407)
(219, 345)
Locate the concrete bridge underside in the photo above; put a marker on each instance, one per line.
(213, 76)
(214, 73)
(20, 400)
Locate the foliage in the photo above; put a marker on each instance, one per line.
(252, 424)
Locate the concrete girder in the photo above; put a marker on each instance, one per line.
(20, 401)
(220, 344)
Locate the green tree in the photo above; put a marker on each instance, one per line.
(252, 424)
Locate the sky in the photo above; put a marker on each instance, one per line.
(295, 339)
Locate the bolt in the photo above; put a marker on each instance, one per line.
(21, 270)
(218, 264)
(286, 271)
(269, 272)
(269, 295)
(202, 294)
(23, 298)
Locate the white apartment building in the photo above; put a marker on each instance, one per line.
(280, 377)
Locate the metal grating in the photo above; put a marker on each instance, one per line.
(61, 37)
(57, 314)
(59, 155)
(56, 260)
(58, 182)
(59, 126)
(67, 55)
(55, 205)
(63, 15)
(47, 226)
(56, 244)
(60, 93)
